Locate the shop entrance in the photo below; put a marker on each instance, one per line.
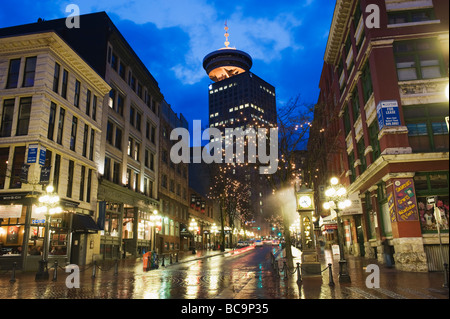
(360, 235)
(78, 255)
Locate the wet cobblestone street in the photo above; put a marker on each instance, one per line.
(212, 275)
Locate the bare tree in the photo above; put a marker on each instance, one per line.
(294, 121)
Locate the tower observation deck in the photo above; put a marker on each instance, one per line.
(226, 62)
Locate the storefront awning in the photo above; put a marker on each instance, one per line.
(84, 224)
(184, 232)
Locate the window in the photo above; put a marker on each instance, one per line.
(122, 70)
(366, 83)
(85, 139)
(418, 15)
(18, 161)
(112, 101)
(30, 69)
(70, 178)
(133, 83)
(137, 148)
(76, 98)
(114, 62)
(120, 104)
(82, 181)
(374, 142)
(419, 59)
(116, 173)
(94, 108)
(56, 172)
(56, 73)
(59, 136)
(13, 74)
(130, 146)
(164, 180)
(73, 133)
(132, 115)
(7, 118)
(427, 130)
(4, 156)
(91, 146)
(107, 170)
(138, 121)
(351, 166)
(89, 186)
(109, 132)
(24, 116)
(432, 184)
(347, 122)
(118, 141)
(51, 121)
(355, 103)
(88, 102)
(152, 161)
(361, 156)
(153, 135)
(65, 80)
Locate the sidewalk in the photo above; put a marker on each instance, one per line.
(365, 282)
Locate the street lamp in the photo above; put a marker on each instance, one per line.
(155, 221)
(337, 200)
(49, 205)
(193, 227)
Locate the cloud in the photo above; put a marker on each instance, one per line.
(263, 38)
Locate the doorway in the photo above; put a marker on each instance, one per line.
(360, 235)
(78, 254)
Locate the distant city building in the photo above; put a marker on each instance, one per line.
(379, 126)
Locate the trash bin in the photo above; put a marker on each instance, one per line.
(147, 261)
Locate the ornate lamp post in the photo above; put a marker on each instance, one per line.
(214, 230)
(49, 205)
(337, 200)
(155, 221)
(193, 227)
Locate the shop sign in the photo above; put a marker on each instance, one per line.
(42, 156)
(355, 208)
(405, 200)
(10, 211)
(32, 153)
(388, 114)
(392, 207)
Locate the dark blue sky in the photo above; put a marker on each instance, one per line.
(285, 38)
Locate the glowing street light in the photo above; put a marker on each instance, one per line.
(337, 200)
(49, 205)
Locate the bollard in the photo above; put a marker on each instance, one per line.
(94, 269)
(163, 261)
(445, 285)
(13, 275)
(285, 270)
(116, 268)
(299, 275)
(55, 271)
(331, 283)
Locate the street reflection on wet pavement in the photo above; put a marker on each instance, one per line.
(248, 275)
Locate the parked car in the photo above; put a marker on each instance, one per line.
(242, 243)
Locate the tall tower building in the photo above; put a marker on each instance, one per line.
(240, 99)
(237, 97)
